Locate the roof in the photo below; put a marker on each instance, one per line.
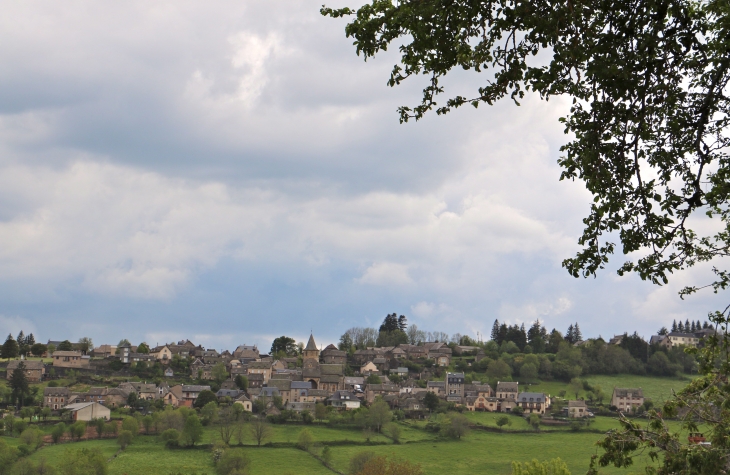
(623, 392)
(435, 384)
(270, 391)
(354, 380)
(330, 347)
(343, 396)
(28, 364)
(194, 388)
(507, 386)
(301, 385)
(681, 334)
(259, 365)
(311, 345)
(80, 405)
(242, 398)
(331, 369)
(66, 353)
(578, 403)
(56, 391)
(531, 397)
(281, 384)
(233, 393)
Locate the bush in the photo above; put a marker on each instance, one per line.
(552, 467)
(517, 410)
(130, 424)
(503, 421)
(25, 450)
(305, 440)
(358, 461)
(393, 431)
(58, 431)
(20, 426)
(32, 437)
(125, 438)
(171, 437)
(233, 461)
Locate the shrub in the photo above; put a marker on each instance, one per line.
(233, 461)
(32, 437)
(551, 467)
(305, 440)
(58, 431)
(130, 424)
(517, 410)
(503, 421)
(358, 461)
(393, 431)
(125, 438)
(20, 426)
(171, 437)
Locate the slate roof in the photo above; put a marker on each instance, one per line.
(508, 387)
(311, 345)
(531, 397)
(623, 392)
(576, 404)
(331, 369)
(301, 385)
(194, 388)
(28, 364)
(59, 392)
(281, 384)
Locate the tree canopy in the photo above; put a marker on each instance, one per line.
(649, 116)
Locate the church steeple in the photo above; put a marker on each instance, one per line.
(310, 351)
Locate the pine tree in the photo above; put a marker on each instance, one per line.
(577, 335)
(680, 327)
(19, 384)
(495, 332)
(698, 326)
(674, 326)
(29, 340)
(402, 323)
(10, 347)
(569, 335)
(686, 325)
(21, 338)
(390, 323)
(705, 325)
(692, 327)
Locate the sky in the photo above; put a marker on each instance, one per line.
(231, 171)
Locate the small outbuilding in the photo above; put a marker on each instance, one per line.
(86, 411)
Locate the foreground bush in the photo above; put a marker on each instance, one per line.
(233, 462)
(535, 467)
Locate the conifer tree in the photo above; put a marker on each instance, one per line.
(10, 347)
(569, 334)
(402, 323)
(577, 335)
(495, 332)
(19, 384)
(674, 326)
(680, 327)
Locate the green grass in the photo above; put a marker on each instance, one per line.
(481, 452)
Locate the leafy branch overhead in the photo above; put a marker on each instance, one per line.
(649, 115)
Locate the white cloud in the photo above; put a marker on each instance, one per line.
(529, 311)
(14, 324)
(386, 273)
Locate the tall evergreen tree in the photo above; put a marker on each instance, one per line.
(402, 323)
(29, 340)
(569, 335)
(675, 328)
(680, 327)
(577, 335)
(705, 325)
(698, 326)
(686, 325)
(390, 323)
(692, 326)
(10, 347)
(503, 333)
(495, 332)
(19, 384)
(536, 337)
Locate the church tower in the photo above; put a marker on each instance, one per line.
(310, 352)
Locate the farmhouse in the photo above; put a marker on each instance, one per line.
(627, 399)
(34, 370)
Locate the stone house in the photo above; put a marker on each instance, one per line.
(454, 386)
(70, 359)
(533, 403)
(163, 354)
(190, 393)
(685, 339)
(104, 351)
(436, 387)
(577, 409)
(507, 390)
(374, 390)
(34, 370)
(245, 402)
(56, 398)
(627, 399)
(344, 400)
(332, 355)
(260, 367)
(368, 367)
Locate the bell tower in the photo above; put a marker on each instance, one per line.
(310, 352)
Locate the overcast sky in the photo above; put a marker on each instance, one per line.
(230, 172)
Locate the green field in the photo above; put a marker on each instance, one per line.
(481, 452)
